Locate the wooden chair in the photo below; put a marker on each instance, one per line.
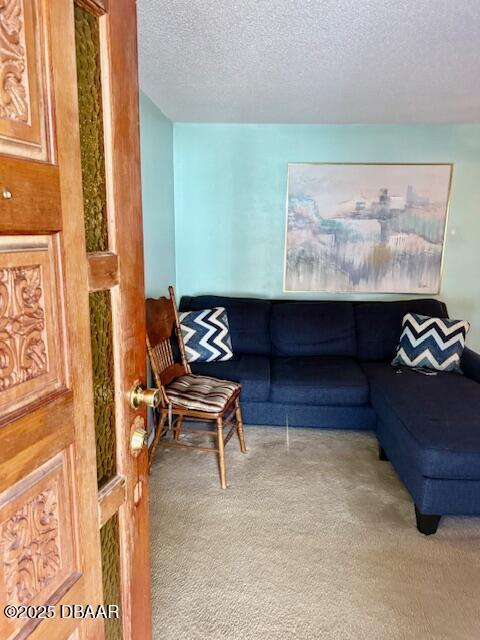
(185, 395)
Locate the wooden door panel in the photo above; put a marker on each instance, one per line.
(32, 342)
(39, 558)
(35, 438)
(25, 105)
(29, 194)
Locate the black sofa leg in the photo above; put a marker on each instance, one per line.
(382, 455)
(426, 523)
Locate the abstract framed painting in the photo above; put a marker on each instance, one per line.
(366, 228)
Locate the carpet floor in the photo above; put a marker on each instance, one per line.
(313, 540)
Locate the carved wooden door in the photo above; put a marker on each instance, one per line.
(73, 492)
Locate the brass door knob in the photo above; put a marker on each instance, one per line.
(138, 440)
(148, 397)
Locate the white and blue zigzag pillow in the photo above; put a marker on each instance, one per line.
(206, 335)
(431, 343)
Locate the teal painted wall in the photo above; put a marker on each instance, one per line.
(156, 142)
(230, 193)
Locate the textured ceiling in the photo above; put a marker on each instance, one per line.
(312, 61)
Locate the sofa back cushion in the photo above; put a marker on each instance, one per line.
(313, 329)
(248, 319)
(379, 325)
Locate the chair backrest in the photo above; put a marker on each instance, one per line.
(162, 324)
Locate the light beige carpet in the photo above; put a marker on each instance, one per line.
(314, 541)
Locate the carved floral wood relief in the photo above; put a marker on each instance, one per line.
(39, 556)
(30, 548)
(23, 343)
(14, 92)
(26, 112)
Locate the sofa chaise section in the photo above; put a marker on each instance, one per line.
(429, 428)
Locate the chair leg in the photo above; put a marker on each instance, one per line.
(156, 440)
(178, 428)
(240, 432)
(221, 453)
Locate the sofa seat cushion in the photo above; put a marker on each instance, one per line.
(253, 373)
(318, 380)
(438, 417)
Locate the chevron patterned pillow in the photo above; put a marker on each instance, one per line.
(206, 335)
(431, 343)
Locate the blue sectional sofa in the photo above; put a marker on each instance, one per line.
(327, 364)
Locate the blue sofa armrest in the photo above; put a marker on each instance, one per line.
(470, 364)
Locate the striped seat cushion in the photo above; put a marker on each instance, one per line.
(201, 393)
